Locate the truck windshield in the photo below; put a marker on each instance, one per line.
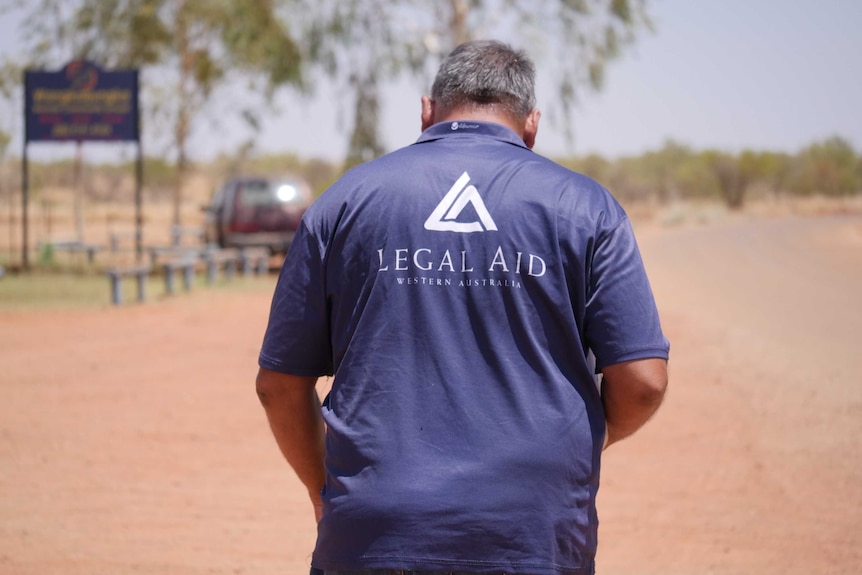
(262, 193)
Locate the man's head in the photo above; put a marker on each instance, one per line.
(485, 80)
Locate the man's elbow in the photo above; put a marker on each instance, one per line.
(643, 381)
(272, 387)
(266, 386)
(653, 387)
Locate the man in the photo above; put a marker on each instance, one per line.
(464, 292)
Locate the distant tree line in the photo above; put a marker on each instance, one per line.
(678, 172)
(830, 167)
(113, 182)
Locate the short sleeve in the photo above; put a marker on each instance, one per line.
(297, 339)
(622, 322)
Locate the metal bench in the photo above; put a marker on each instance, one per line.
(215, 258)
(116, 275)
(186, 265)
(254, 260)
(159, 254)
(73, 246)
(171, 260)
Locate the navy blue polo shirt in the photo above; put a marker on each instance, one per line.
(463, 291)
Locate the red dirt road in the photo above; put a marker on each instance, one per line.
(131, 440)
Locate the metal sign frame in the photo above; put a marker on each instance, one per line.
(81, 102)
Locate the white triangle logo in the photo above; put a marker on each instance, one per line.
(444, 216)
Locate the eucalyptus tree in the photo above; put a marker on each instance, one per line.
(364, 44)
(187, 49)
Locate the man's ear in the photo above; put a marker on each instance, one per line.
(531, 128)
(427, 112)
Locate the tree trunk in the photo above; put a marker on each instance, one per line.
(365, 142)
(181, 128)
(458, 22)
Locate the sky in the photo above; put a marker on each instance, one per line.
(725, 74)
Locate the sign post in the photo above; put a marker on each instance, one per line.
(79, 103)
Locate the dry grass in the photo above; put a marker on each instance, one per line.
(52, 217)
(689, 213)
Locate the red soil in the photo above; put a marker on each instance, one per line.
(131, 439)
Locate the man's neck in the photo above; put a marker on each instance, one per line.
(482, 114)
(526, 128)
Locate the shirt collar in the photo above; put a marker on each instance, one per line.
(470, 128)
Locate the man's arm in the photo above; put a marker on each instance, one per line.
(632, 391)
(293, 410)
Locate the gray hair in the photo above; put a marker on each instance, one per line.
(486, 72)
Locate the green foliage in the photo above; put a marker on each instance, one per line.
(662, 169)
(592, 165)
(119, 33)
(194, 46)
(209, 37)
(10, 79)
(5, 138)
(320, 174)
(675, 171)
(197, 46)
(59, 173)
(159, 172)
(731, 178)
(257, 40)
(829, 167)
(363, 43)
(774, 169)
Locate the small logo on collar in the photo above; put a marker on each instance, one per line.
(463, 126)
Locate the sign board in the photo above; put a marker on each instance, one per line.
(81, 103)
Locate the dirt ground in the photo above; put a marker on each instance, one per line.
(131, 439)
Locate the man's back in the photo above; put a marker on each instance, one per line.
(464, 422)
